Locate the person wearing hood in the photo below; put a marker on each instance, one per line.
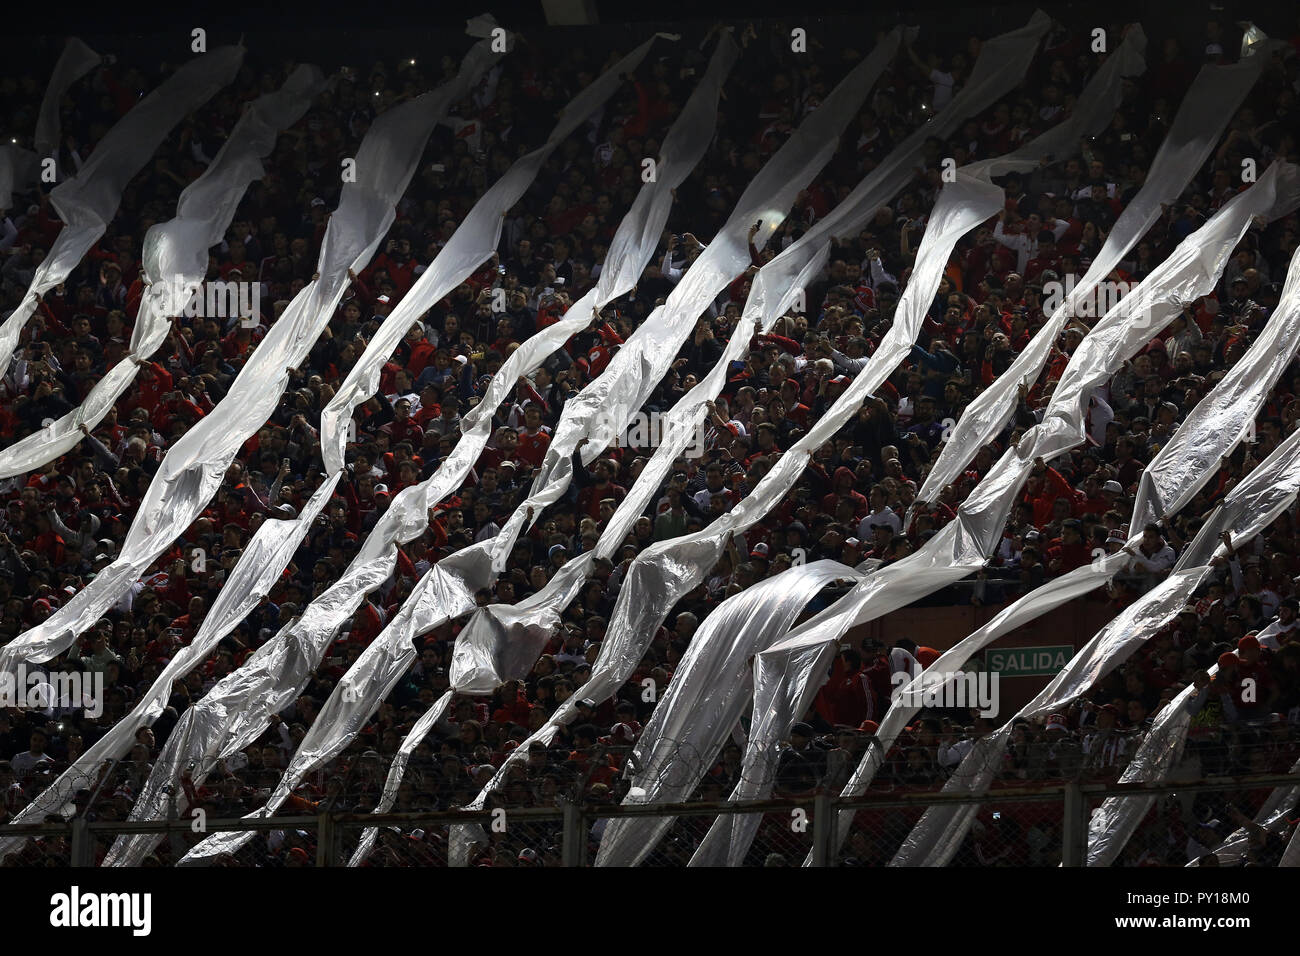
(842, 480)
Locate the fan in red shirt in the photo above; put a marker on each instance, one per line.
(151, 384)
(397, 261)
(843, 480)
(1069, 551)
(589, 755)
(418, 349)
(534, 438)
(403, 427)
(1042, 489)
(366, 624)
(430, 406)
(601, 355)
(48, 543)
(188, 623)
(1254, 666)
(514, 706)
(856, 691)
(170, 585)
(600, 488)
(795, 410)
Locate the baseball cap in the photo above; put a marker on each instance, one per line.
(622, 732)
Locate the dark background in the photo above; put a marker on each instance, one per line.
(334, 32)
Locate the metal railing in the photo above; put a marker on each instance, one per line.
(567, 834)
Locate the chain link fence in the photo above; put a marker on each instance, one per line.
(1011, 827)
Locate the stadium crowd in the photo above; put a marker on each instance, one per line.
(63, 523)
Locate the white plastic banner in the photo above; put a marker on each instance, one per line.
(1210, 103)
(1093, 110)
(19, 167)
(1249, 508)
(1276, 813)
(175, 260)
(407, 516)
(1212, 429)
(669, 569)
(86, 202)
(789, 674)
(636, 367)
(270, 549)
(205, 210)
(708, 694)
(195, 466)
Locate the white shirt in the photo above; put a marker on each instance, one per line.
(885, 515)
(1162, 560)
(1269, 636)
(8, 233)
(1026, 246)
(23, 763)
(943, 84)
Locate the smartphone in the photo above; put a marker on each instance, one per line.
(285, 463)
(501, 270)
(438, 168)
(559, 280)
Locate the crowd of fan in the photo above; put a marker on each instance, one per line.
(856, 500)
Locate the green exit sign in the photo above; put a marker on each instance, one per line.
(1028, 661)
